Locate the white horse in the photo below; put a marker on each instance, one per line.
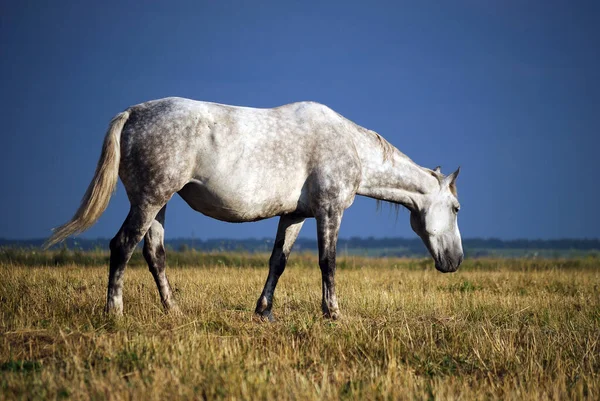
(242, 164)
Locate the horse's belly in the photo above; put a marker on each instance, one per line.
(237, 205)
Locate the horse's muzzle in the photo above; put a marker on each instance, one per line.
(448, 264)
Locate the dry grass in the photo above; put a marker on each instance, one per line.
(496, 330)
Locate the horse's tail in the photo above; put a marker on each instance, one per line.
(101, 188)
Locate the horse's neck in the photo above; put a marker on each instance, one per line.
(388, 174)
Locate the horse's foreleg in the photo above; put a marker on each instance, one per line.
(287, 232)
(328, 226)
(154, 253)
(121, 247)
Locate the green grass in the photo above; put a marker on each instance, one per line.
(497, 329)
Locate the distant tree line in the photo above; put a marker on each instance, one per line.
(376, 246)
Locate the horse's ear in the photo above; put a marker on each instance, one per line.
(454, 175)
(438, 170)
(451, 180)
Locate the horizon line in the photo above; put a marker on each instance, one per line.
(33, 239)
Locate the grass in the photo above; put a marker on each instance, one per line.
(497, 329)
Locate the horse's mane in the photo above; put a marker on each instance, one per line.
(386, 147)
(395, 207)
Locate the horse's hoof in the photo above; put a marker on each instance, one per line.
(335, 315)
(265, 316)
(113, 311)
(173, 310)
(263, 310)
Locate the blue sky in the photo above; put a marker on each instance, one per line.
(509, 90)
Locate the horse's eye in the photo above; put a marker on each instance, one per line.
(456, 209)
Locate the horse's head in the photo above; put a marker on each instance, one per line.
(435, 221)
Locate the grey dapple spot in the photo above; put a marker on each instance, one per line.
(240, 164)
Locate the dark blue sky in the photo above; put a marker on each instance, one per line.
(509, 90)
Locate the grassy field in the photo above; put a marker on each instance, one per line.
(497, 329)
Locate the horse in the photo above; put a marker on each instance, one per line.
(240, 164)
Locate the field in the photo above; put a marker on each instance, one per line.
(497, 329)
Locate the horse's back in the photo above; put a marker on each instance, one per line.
(253, 161)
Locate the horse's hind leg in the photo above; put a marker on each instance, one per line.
(328, 226)
(132, 231)
(154, 253)
(287, 232)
